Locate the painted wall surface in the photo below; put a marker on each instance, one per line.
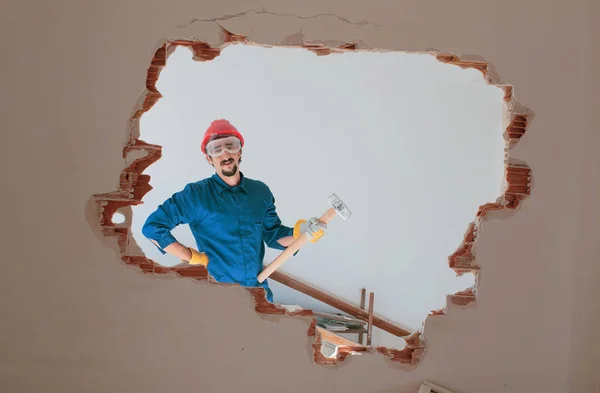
(412, 145)
(76, 319)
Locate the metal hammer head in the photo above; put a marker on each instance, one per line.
(340, 207)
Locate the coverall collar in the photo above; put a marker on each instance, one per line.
(222, 186)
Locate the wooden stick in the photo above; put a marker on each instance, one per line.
(370, 325)
(340, 304)
(334, 338)
(363, 293)
(292, 248)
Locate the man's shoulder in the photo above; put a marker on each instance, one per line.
(199, 185)
(253, 184)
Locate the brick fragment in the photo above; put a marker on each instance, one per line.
(455, 60)
(462, 298)
(231, 37)
(411, 354)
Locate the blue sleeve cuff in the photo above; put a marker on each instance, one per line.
(164, 242)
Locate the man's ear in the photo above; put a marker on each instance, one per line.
(209, 160)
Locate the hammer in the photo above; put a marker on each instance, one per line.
(337, 207)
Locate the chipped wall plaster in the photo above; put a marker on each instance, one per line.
(517, 178)
(77, 319)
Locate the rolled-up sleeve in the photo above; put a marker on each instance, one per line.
(177, 210)
(273, 229)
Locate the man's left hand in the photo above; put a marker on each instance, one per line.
(315, 229)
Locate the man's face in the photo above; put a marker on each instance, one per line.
(227, 162)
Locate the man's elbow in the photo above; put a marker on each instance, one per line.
(152, 231)
(147, 230)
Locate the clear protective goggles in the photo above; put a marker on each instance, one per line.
(218, 146)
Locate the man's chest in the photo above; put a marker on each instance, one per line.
(234, 206)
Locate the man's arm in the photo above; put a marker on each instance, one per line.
(286, 241)
(177, 249)
(275, 234)
(177, 210)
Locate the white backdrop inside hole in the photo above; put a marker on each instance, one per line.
(412, 146)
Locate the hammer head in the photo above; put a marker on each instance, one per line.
(340, 207)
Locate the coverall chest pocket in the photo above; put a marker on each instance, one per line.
(257, 229)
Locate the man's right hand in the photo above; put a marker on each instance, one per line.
(186, 254)
(198, 258)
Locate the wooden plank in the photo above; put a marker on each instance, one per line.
(337, 303)
(433, 388)
(363, 293)
(335, 339)
(370, 325)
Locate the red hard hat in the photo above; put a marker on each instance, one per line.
(220, 127)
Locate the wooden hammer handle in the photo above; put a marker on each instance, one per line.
(292, 248)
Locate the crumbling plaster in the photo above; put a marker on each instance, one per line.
(77, 320)
(134, 184)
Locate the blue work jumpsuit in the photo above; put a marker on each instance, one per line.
(230, 224)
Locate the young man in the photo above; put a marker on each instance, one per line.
(230, 216)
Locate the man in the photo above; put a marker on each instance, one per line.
(229, 215)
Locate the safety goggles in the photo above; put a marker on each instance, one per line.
(217, 147)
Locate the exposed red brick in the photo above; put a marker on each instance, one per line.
(200, 48)
(437, 312)
(411, 354)
(484, 209)
(321, 50)
(508, 93)
(350, 46)
(318, 49)
(152, 154)
(463, 298)
(141, 187)
(231, 37)
(519, 185)
(462, 261)
(198, 272)
(312, 328)
(517, 127)
(262, 305)
(122, 236)
(161, 269)
(143, 263)
(453, 59)
(152, 96)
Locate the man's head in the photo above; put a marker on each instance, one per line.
(222, 145)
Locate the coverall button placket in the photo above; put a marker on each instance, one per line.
(243, 230)
(249, 255)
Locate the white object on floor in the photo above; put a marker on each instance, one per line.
(291, 307)
(428, 387)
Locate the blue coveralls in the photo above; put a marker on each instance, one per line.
(230, 224)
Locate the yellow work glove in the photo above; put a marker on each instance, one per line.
(198, 258)
(314, 228)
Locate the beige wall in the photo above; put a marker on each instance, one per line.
(75, 319)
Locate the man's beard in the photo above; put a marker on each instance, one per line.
(233, 170)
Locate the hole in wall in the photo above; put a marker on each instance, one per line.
(411, 144)
(118, 218)
(134, 185)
